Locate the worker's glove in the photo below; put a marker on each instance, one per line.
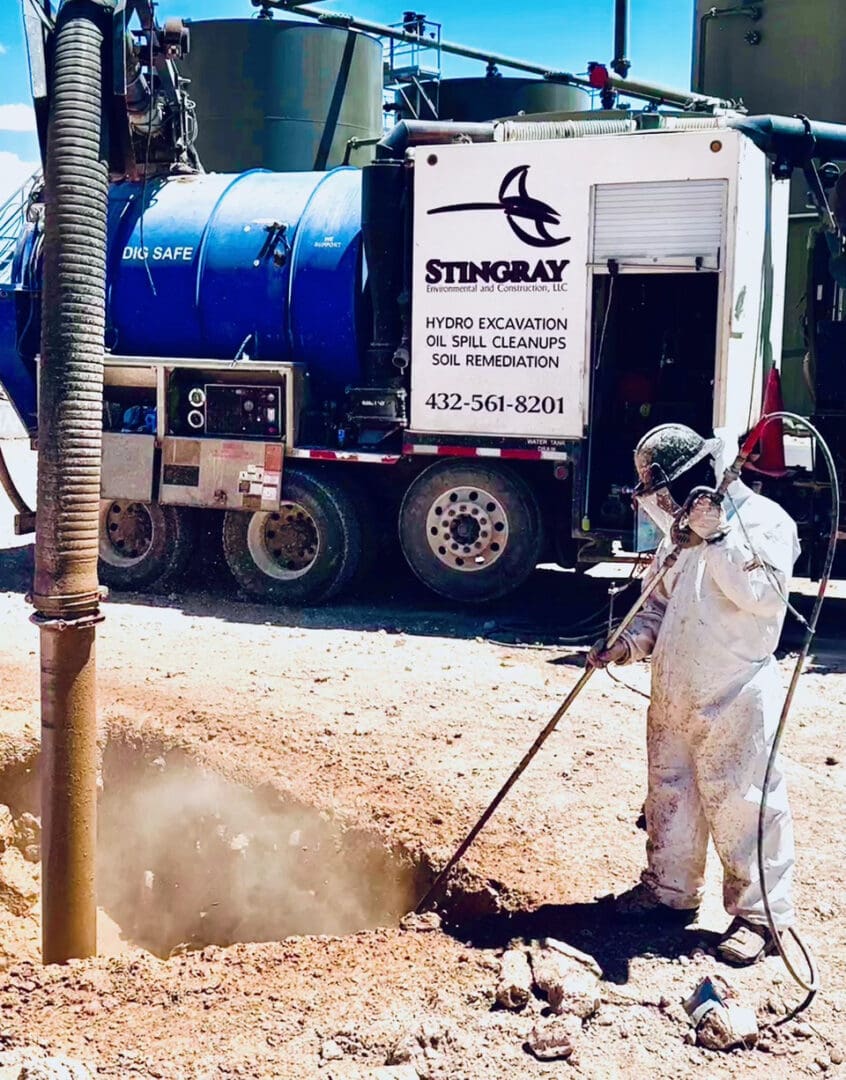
(600, 657)
(706, 517)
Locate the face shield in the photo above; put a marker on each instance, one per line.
(660, 508)
(662, 499)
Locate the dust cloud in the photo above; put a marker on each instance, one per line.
(186, 858)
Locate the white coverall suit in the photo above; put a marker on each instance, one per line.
(712, 626)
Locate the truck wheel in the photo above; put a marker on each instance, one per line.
(471, 532)
(307, 552)
(380, 550)
(143, 544)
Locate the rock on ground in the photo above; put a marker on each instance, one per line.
(515, 980)
(28, 1065)
(568, 985)
(555, 1037)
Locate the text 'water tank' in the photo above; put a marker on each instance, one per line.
(265, 264)
(282, 95)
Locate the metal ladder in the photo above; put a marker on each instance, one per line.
(11, 222)
(408, 65)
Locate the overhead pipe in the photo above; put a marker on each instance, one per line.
(407, 133)
(793, 141)
(659, 94)
(648, 91)
(66, 594)
(621, 63)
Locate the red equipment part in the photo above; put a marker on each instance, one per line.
(770, 461)
(598, 76)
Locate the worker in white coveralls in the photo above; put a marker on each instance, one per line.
(711, 627)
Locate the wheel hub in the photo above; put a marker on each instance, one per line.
(467, 529)
(284, 544)
(128, 529)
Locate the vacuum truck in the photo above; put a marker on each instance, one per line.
(453, 349)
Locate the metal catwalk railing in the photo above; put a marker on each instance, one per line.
(11, 221)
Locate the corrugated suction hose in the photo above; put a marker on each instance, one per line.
(73, 321)
(529, 130)
(66, 593)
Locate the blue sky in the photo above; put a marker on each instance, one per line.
(563, 34)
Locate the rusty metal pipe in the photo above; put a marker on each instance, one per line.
(406, 133)
(66, 593)
(68, 792)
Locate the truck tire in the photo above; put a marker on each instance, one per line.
(307, 552)
(144, 544)
(381, 559)
(470, 532)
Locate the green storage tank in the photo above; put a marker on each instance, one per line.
(780, 56)
(475, 100)
(280, 94)
(783, 57)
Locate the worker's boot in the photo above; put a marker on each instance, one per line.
(745, 943)
(641, 902)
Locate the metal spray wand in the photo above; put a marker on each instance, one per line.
(731, 474)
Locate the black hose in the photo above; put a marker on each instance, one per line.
(73, 321)
(811, 984)
(11, 488)
(790, 141)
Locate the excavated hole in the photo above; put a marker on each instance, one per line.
(187, 858)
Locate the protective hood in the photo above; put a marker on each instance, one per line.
(664, 455)
(668, 451)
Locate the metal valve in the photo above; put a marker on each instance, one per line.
(176, 37)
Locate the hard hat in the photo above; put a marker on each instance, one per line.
(667, 451)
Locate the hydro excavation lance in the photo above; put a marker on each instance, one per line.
(731, 474)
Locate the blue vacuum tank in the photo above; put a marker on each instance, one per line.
(262, 265)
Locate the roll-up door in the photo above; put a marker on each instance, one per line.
(671, 223)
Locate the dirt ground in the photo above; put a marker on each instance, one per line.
(296, 776)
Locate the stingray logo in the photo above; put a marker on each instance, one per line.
(518, 206)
